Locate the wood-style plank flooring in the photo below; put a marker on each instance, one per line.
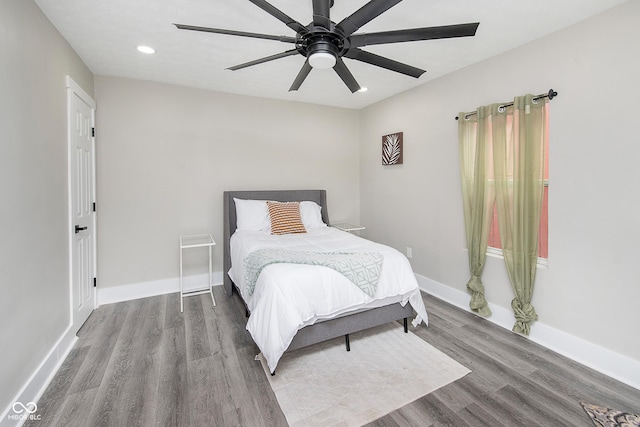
(143, 363)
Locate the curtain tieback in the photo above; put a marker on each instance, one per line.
(475, 284)
(478, 303)
(525, 314)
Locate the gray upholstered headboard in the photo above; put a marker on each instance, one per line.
(318, 196)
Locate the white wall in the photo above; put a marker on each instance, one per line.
(166, 153)
(34, 276)
(592, 286)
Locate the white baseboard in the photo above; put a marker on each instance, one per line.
(615, 365)
(35, 386)
(156, 287)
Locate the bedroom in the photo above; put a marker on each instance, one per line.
(589, 292)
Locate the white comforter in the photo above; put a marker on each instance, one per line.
(288, 297)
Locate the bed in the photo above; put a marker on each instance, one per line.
(313, 319)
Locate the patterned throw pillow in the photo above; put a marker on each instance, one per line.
(285, 217)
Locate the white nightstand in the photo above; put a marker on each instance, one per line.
(345, 226)
(196, 241)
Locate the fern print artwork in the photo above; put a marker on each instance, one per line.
(392, 149)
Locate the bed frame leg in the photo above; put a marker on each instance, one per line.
(346, 341)
(406, 327)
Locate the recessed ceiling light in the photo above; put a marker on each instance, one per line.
(146, 49)
(363, 89)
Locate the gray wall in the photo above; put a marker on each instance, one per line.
(166, 153)
(591, 287)
(34, 276)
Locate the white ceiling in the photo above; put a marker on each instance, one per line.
(105, 34)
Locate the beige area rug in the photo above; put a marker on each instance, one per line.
(324, 385)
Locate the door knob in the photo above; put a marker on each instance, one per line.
(79, 229)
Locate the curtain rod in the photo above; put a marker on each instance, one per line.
(551, 94)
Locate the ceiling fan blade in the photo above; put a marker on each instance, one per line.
(321, 12)
(304, 72)
(366, 13)
(278, 14)
(265, 59)
(284, 39)
(415, 34)
(346, 76)
(381, 61)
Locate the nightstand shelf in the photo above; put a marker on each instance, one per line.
(349, 228)
(190, 242)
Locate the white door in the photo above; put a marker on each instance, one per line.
(81, 203)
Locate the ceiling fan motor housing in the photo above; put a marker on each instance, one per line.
(324, 42)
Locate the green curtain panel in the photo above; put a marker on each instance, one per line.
(476, 172)
(519, 181)
(502, 164)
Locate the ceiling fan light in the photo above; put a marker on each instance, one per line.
(322, 60)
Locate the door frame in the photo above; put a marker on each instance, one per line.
(74, 90)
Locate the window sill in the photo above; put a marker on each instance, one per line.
(543, 263)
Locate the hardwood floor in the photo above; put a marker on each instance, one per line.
(144, 363)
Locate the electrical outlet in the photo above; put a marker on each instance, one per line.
(409, 252)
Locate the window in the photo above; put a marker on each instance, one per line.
(494, 245)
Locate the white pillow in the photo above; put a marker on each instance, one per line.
(311, 214)
(252, 215)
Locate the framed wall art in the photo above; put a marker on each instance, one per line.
(392, 149)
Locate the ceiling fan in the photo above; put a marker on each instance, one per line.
(324, 43)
